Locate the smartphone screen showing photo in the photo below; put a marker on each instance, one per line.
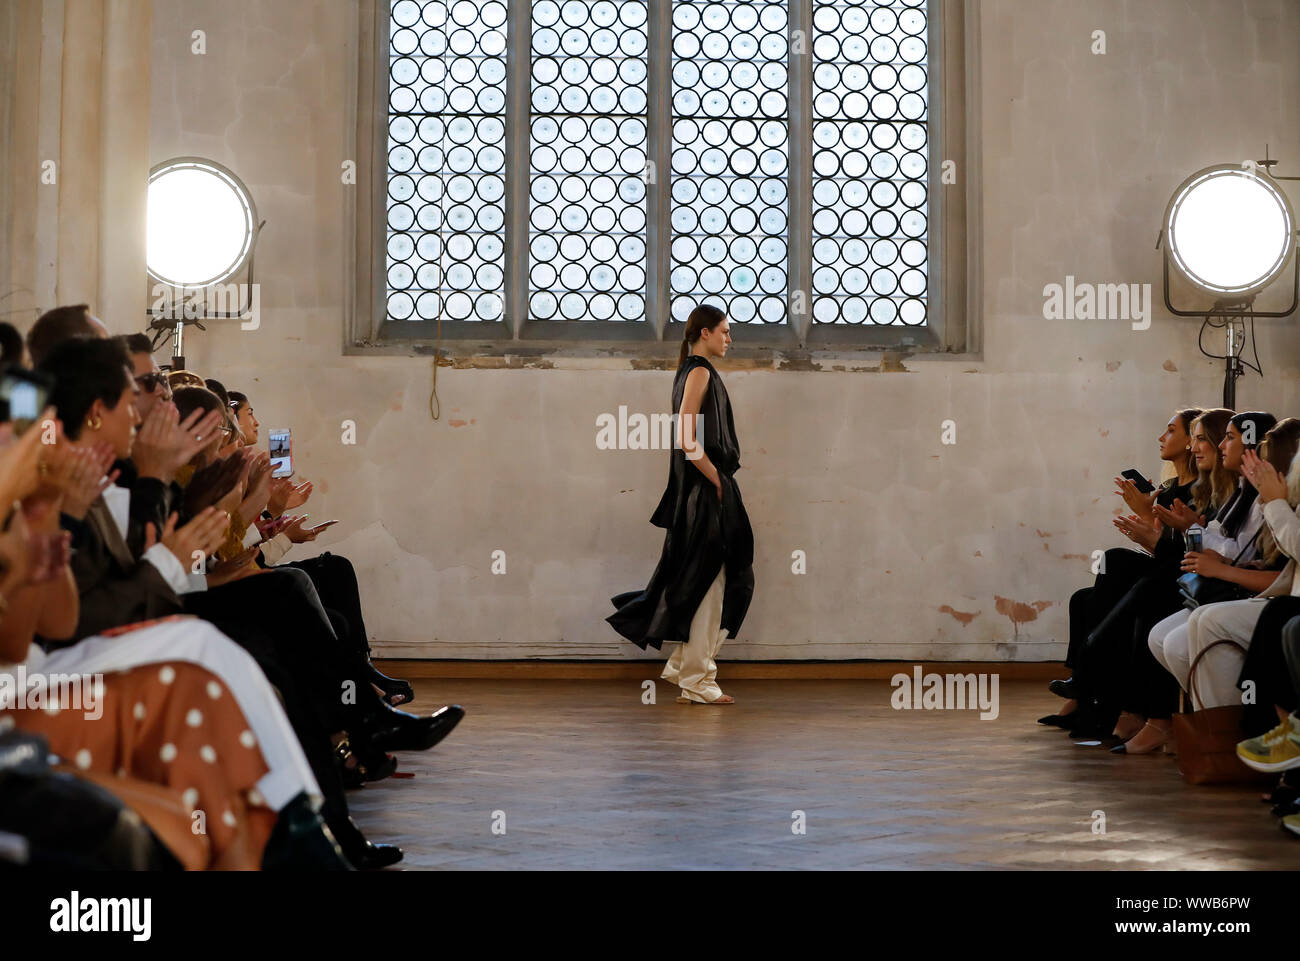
(281, 453)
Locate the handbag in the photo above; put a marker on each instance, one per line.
(1206, 740)
(1198, 591)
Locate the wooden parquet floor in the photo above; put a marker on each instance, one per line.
(588, 776)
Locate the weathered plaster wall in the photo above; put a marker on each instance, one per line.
(74, 145)
(915, 549)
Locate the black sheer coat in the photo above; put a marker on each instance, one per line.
(703, 531)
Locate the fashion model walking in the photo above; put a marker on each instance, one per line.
(701, 589)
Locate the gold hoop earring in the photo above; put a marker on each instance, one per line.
(95, 424)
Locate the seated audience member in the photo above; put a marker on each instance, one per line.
(95, 391)
(374, 761)
(171, 723)
(185, 482)
(1143, 690)
(1279, 749)
(60, 324)
(1139, 686)
(1128, 686)
(1235, 622)
(1122, 568)
(163, 446)
(1230, 547)
(184, 378)
(334, 576)
(249, 425)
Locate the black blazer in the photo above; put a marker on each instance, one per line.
(115, 588)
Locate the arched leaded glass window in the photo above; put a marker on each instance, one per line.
(597, 168)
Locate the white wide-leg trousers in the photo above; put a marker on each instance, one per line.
(692, 665)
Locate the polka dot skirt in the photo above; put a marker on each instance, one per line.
(174, 725)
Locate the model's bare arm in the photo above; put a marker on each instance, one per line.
(697, 381)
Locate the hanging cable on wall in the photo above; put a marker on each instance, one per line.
(435, 405)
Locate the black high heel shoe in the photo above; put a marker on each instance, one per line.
(375, 765)
(364, 855)
(369, 764)
(391, 686)
(1067, 689)
(1063, 721)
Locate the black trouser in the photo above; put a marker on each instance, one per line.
(276, 616)
(1121, 569)
(1266, 666)
(1145, 687)
(336, 583)
(1291, 652)
(1121, 670)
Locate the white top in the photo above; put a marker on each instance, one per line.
(1229, 547)
(118, 501)
(1285, 525)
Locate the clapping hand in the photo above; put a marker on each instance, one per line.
(20, 458)
(1267, 479)
(29, 558)
(164, 443)
(269, 528)
(202, 535)
(258, 491)
(1177, 515)
(73, 479)
(234, 568)
(1139, 531)
(1137, 502)
(285, 496)
(212, 483)
(49, 553)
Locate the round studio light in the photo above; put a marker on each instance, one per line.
(1230, 231)
(201, 223)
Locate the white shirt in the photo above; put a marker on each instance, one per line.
(118, 501)
(1229, 547)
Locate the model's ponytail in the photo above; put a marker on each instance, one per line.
(703, 317)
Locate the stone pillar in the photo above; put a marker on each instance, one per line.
(74, 158)
(124, 165)
(82, 116)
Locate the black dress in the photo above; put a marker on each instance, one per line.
(703, 531)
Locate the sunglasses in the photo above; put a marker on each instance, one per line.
(151, 382)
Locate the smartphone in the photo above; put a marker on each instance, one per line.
(23, 394)
(1195, 538)
(1143, 485)
(281, 445)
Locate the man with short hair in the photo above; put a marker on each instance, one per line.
(60, 324)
